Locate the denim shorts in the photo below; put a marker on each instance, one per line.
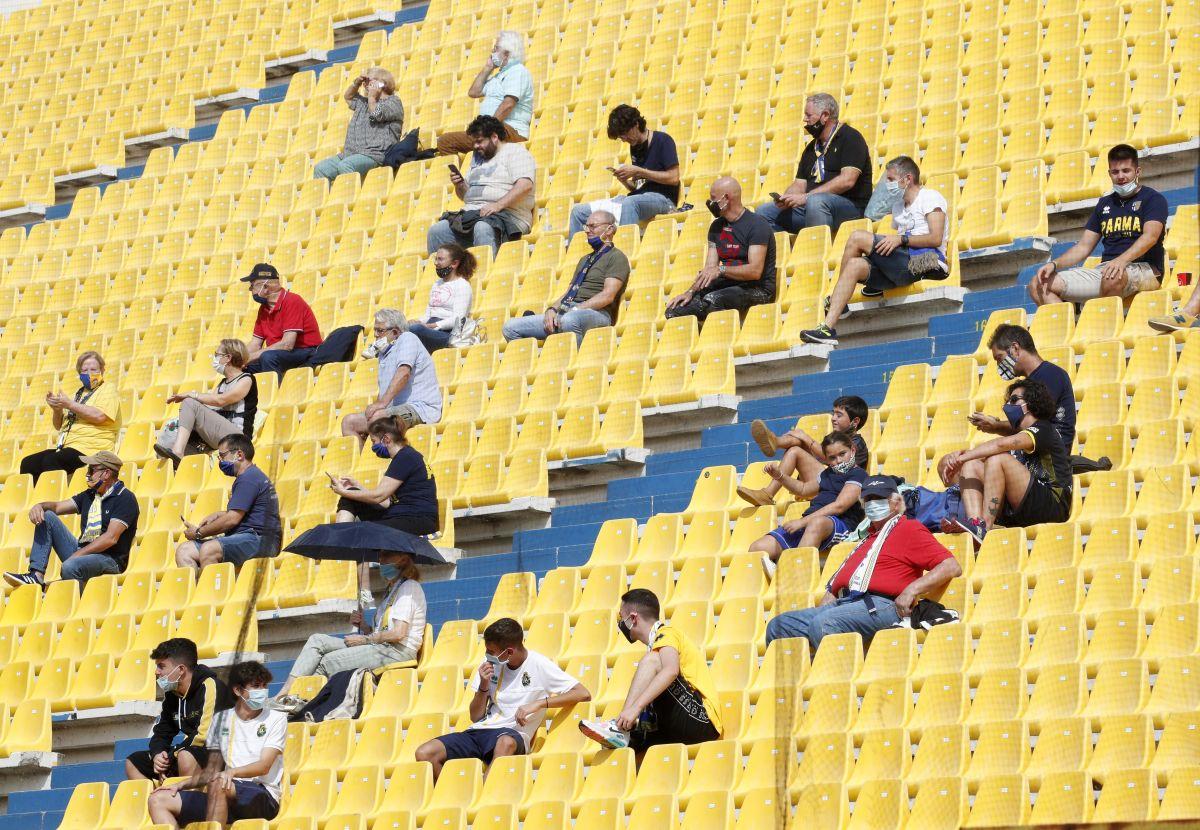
(242, 547)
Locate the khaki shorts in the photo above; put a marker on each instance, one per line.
(405, 413)
(1080, 284)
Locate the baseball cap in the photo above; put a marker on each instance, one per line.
(262, 271)
(104, 458)
(882, 486)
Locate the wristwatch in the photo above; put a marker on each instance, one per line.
(721, 269)
(903, 240)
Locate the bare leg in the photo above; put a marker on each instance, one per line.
(133, 773)
(187, 555)
(769, 545)
(355, 425)
(1005, 479)
(164, 807)
(854, 270)
(344, 516)
(505, 746)
(433, 753)
(1192, 306)
(970, 483)
(187, 764)
(211, 553)
(816, 531)
(797, 461)
(1045, 293)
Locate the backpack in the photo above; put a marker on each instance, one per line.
(930, 507)
(340, 698)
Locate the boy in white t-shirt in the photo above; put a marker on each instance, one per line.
(513, 689)
(916, 251)
(245, 761)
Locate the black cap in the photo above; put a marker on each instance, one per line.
(883, 486)
(262, 271)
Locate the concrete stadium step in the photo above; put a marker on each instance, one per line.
(35, 801)
(32, 821)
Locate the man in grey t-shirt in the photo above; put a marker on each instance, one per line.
(408, 384)
(498, 188)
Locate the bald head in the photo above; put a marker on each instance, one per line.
(601, 223)
(725, 197)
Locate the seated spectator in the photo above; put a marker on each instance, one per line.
(1020, 479)
(207, 417)
(507, 95)
(1016, 357)
(497, 193)
(863, 598)
(244, 774)
(395, 636)
(109, 518)
(802, 454)
(652, 180)
(1129, 222)
(192, 694)
(739, 271)
(406, 496)
(916, 251)
(1184, 320)
(87, 423)
(833, 181)
(408, 384)
(376, 123)
(285, 330)
(833, 512)
(594, 295)
(512, 689)
(248, 528)
(449, 298)
(672, 698)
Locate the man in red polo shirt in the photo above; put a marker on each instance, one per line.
(881, 580)
(285, 331)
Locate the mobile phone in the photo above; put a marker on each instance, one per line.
(774, 195)
(331, 476)
(611, 169)
(454, 169)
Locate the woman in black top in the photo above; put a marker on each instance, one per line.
(207, 417)
(406, 496)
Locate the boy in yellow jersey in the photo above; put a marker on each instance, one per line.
(672, 698)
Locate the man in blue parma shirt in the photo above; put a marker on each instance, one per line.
(1129, 222)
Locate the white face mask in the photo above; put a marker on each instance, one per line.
(256, 699)
(877, 509)
(844, 467)
(1126, 189)
(893, 187)
(217, 365)
(497, 60)
(377, 348)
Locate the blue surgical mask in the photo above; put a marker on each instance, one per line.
(877, 509)
(89, 381)
(494, 660)
(228, 468)
(380, 450)
(893, 187)
(389, 572)
(1014, 412)
(1126, 189)
(596, 242)
(166, 684)
(256, 699)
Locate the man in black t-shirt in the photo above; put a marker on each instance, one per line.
(1016, 356)
(1019, 480)
(833, 181)
(108, 519)
(652, 179)
(739, 271)
(1130, 223)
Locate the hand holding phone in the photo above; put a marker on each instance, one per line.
(774, 195)
(455, 174)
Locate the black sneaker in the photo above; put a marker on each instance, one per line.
(822, 335)
(28, 578)
(871, 293)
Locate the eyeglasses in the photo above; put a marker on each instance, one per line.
(222, 453)
(380, 331)
(1015, 399)
(589, 226)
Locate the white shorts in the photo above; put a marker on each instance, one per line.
(1081, 284)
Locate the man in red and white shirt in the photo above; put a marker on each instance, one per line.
(881, 580)
(285, 331)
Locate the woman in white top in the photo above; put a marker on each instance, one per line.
(205, 418)
(449, 299)
(395, 636)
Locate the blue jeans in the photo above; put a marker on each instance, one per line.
(440, 234)
(239, 548)
(635, 209)
(577, 321)
(53, 534)
(840, 618)
(820, 209)
(431, 339)
(334, 166)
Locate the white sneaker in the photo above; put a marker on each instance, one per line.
(366, 598)
(605, 733)
(769, 566)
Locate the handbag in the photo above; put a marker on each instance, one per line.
(467, 331)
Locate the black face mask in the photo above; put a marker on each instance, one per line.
(714, 207)
(640, 148)
(443, 272)
(625, 630)
(814, 129)
(259, 300)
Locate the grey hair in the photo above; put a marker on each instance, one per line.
(905, 166)
(513, 43)
(391, 318)
(824, 102)
(605, 216)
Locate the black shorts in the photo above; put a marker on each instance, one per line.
(416, 524)
(1039, 505)
(478, 743)
(144, 762)
(677, 716)
(252, 800)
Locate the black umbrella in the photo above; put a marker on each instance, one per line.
(363, 542)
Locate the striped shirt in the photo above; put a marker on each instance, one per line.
(370, 134)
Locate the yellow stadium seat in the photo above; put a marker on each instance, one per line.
(128, 807)
(29, 729)
(1128, 795)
